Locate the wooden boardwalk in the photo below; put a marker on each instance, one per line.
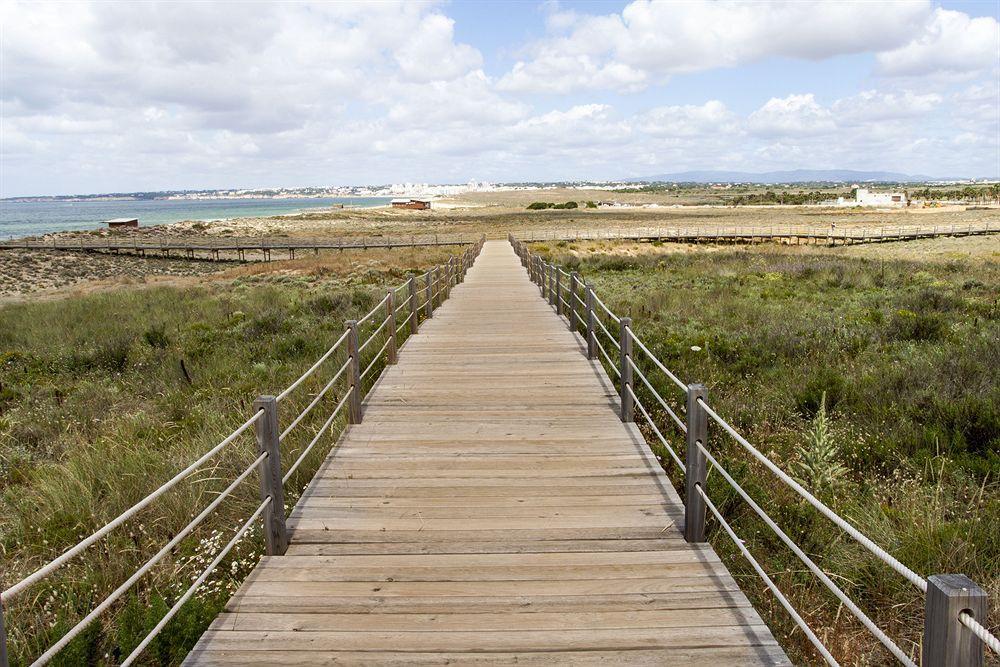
(491, 508)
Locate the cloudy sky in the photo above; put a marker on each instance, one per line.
(125, 96)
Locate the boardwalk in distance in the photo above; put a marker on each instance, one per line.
(490, 508)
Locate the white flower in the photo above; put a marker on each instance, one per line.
(695, 348)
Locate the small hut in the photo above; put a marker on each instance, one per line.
(416, 204)
(121, 223)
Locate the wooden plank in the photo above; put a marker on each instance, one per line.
(687, 656)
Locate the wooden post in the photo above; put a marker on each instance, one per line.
(266, 429)
(354, 402)
(947, 642)
(696, 470)
(413, 304)
(625, 341)
(429, 296)
(591, 330)
(3, 639)
(390, 311)
(574, 280)
(558, 292)
(553, 281)
(545, 281)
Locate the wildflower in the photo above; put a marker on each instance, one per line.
(695, 348)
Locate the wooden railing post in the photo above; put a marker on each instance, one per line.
(437, 285)
(412, 281)
(696, 470)
(625, 341)
(559, 308)
(3, 640)
(591, 324)
(553, 282)
(947, 642)
(545, 281)
(266, 430)
(574, 280)
(393, 346)
(354, 402)
(429, 295)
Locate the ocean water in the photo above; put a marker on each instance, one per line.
(19, 219)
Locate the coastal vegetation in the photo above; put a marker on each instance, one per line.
(874, 382)
(542, 205)
(105, 396)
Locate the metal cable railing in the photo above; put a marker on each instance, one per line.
(584, 311)
(268, 462)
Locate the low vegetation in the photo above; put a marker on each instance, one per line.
(543, 205)
(103, 397)
(876, 383)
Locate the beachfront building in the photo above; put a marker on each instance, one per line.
(121, 223)
(415, 204)
(866, 197)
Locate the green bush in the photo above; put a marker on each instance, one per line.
(906, 325)
(156, 336)
(539, 206)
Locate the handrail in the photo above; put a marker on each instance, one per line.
(656, 362)
(305, 452)
(878, 551)
(817, 234)
(652, 425)
(302, 378)
(371, 336)
(377, 307)
(591, 325)
(146, 567)
(670, 411)
(607, 358)
(147, 242)
(316, 399)
(607, 333)
(67, 555)
(808, 562)
(267, 457)
(799, 621)
(197, 583)
(607, 310)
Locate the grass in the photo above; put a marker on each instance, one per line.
(105, 396)
(880, 375)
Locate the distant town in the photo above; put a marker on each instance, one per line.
(703, 181)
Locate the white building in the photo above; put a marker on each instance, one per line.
(867, 198)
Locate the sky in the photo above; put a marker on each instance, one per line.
(136, 96)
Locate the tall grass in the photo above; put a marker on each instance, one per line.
(104, 397)
(878, 382)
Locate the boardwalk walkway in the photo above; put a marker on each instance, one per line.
(490, 508)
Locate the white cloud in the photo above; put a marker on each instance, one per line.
(795, 115)
(872, 105)
(653, 39)
(712, 117)
(950, 42)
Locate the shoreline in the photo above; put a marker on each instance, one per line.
(331, 207)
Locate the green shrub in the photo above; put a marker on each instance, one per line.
(156, 336)
(906, 325)
(539, 206)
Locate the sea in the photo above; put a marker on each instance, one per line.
(19, 219)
